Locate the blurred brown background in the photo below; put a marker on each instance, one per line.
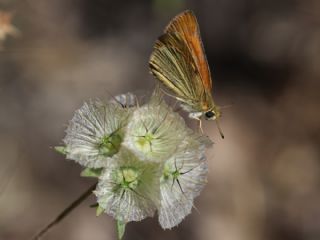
(264, 177)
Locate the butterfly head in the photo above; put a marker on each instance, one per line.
(214, 114)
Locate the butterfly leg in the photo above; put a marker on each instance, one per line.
(200, 125)
(197, 116)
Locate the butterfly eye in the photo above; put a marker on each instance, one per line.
(209, 114)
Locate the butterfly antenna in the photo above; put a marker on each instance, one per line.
(226, 106)
(219, 128)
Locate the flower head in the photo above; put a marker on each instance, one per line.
(184, 176)
(96, 132)
(128, 189)
(155, 131)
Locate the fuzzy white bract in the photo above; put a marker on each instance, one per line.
(95, 133)
(155, 131)
(184, 176)
(129, 189)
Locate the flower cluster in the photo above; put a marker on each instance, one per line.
(145, 157)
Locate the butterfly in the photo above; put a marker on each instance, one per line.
(178, 61)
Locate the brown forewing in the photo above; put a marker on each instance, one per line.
(187, 26)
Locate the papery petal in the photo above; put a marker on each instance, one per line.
(178, 191)
(155, 131)
(130, 204)
(90, 124)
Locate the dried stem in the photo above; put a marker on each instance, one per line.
(65, 212)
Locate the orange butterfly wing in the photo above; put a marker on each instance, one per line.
(187, 26)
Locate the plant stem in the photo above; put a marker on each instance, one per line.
(121, 226)
(65, 212)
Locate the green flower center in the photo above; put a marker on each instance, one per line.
(127, 178)
(175, 174)
(145, 142)
(109, 145)
(169, 173)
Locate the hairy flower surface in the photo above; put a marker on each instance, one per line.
(95, 133)
(129, 188)
(145, 158)
(126, 100)
(184, 176)
(155, 131)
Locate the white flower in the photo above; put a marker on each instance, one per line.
(155, 131)
(146, 158)
(129, 188)
(183, 178)
(95, 133)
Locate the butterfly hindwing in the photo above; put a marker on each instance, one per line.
(172, 63)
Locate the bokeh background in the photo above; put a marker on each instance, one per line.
(264, 180)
